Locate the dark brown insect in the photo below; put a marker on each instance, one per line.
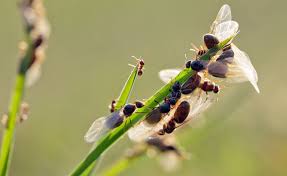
(210, 40)
(181, 112)
(140, 67)
(209, 86)
(180, 115)
(191, 84)
(169, 127)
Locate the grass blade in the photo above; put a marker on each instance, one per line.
(126, 91)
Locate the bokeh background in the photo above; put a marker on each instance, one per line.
(90, 47)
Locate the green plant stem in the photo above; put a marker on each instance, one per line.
(106, 142)
(119, 166)
(17, 94)
(9, 131)
(124, 163)
(121, 101)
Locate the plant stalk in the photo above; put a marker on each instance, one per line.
(9, 131)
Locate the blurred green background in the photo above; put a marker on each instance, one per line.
(91, 44)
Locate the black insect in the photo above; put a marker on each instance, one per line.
(198, 65)
(165, 107)
(191, 84)
(139, 104)
(129, 109)
(181, 112)
(188, 64)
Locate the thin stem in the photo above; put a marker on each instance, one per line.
(106, 142)
(121, 101)
(36, 33)
(119, 167)
(9, 131)
(124, 163)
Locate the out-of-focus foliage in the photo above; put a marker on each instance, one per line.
(94, 38)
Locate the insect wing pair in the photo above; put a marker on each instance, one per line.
(103, 125)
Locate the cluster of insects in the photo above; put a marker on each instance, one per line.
(187, 100)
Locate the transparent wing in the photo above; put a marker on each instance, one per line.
(226, 29)
(223, 15)
(102, 126)
(238, 69)
(168, 74)
(244, 68)
(199, 103)
(97, 130)
(140, 132)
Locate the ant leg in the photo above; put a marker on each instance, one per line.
(132, 65)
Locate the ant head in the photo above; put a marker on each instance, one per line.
(187, 64)
(141, 62)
